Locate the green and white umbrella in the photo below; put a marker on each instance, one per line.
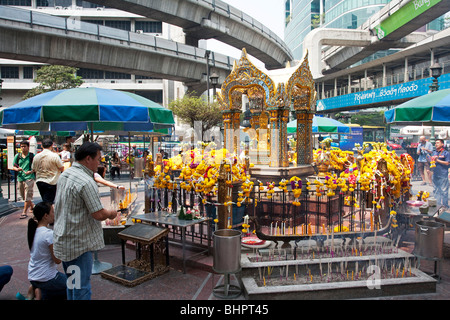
(322, 124)
(430, 109)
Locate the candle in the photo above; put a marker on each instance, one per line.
(371, 221)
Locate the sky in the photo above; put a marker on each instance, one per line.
(269, 12)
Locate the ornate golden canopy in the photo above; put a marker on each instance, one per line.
(271, 94)
(297, 86)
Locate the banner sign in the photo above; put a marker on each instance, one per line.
(387, 94)
(403, 15)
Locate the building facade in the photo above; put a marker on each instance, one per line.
(18, 75)
(302, 16)
(374, 74)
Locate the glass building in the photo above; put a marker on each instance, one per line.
(302, 16)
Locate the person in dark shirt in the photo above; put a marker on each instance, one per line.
(441, 159)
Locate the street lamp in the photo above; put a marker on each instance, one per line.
(207, 53)
(214, 78)
(436, 71)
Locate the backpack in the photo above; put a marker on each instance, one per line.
(19, 155)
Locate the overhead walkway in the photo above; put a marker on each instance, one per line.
(213, 19)
(33, 36)
(391, 27)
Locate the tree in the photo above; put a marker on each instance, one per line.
(52, 78)
(363, 119)
(191, 108)
(369, 119)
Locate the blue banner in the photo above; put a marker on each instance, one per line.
(387, 94)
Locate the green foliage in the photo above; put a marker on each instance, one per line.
(52, 78)
(191, 108)
(369, 119)
(364, 119)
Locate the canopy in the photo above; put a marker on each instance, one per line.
(441, 132)
(321, 124)
(81, 109)
(431, 109)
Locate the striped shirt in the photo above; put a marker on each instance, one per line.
(75, 230)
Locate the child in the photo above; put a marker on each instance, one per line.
(42, 271)
(65, 156)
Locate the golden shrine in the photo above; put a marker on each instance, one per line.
(271, 95)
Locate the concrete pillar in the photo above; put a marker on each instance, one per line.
(321, 11)
(384, 75)
(323, 90)
(365, 80)
(349, 90)
(406, 75)
(335, 87)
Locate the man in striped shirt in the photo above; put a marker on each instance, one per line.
(78, 215)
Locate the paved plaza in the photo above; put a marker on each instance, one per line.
(196, 284)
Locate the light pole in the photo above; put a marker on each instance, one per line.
(207, 53)
(214, 78)
(436, 71)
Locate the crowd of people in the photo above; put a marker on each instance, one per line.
(65, 227)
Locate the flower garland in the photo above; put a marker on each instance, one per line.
(379, 171)
(200, 173)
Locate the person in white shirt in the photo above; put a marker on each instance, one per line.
(42, 268)
(48, 166)
(65, 156)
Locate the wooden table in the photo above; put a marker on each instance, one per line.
(152, 255)
(165, 219)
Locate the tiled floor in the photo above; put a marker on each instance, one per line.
(196, 284)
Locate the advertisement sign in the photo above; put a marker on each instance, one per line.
(10, 147)
(405, 90)
(395, 131)
(348, 141)
(403, 15)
